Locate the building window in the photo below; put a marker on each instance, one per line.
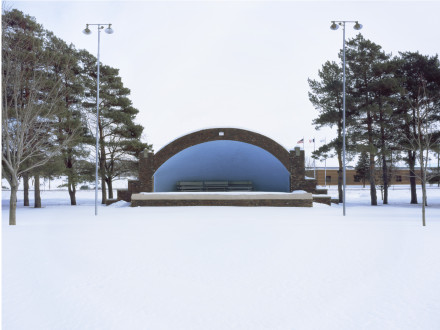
(357, 178)
(328, 179)
(398, 178)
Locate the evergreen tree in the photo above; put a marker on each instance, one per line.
(365, 59)
(48, 88)
(29, 98)
(385, 89)
(71, 117)
(415, 70)
(53, 167)
(119, 136)
(363, 167)
(381, 117)
(326, 96)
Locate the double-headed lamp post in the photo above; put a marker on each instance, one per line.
(335, 25)
(87, 31)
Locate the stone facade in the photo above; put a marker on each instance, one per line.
(248, 202)
(149, 162)
(323, 199)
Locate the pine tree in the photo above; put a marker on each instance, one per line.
(29, 98)
(364, 60)
(385, 89)
(363, 167)
(415, 70)
(119, 137)
(326, 96)
(53, 167)
(71, 117)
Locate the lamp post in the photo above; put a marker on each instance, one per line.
(335, 25)
(87, 31)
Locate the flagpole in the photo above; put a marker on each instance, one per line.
(325, 165)
(304, 147)
(314, 160)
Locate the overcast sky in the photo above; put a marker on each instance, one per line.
(203, 64)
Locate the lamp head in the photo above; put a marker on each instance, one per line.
(334, 26)
(109, 30)
(87, 30)
(357, 26)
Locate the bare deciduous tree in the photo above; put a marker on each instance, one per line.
(29, 103)
(425, 137)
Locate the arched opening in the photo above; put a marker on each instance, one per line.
(223, 160)
(292, 161)
(220, 134)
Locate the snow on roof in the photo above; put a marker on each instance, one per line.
(206, 128)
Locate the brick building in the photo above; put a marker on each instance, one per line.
(329, 176)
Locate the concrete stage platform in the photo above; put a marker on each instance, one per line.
(222, 199)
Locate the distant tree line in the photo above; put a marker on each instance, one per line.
(392, 112)
(49, 113)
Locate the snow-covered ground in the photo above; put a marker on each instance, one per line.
(222, 267)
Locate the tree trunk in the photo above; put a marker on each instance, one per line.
(438, 169)
(412, 176)
(25, 189)
(385, 193)
(423, 204)
(13, 204)
(72, 191)
(103, 190)
(37, 195)
(110, 188)
(340, 186)
(70, 181)
(102, 160)
(385, 180)
(423, 162)
(373, 193)
(422, 179)
(384, 163)
(340, 178)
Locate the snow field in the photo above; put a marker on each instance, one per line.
(222, 267)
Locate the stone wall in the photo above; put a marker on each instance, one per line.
(146, 171)
(134, 187)
(249, 202)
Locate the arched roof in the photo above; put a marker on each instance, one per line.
(215, 134)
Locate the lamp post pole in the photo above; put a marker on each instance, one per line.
(87, 31)
(335, 26)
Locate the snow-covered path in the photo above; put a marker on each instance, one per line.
(222, 267)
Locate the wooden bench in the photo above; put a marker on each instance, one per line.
(194, 186)
(190, 186)
(215, 185)
(240, 186)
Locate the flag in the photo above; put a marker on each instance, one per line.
(322, 140)
(312, 140)
(300, 141)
